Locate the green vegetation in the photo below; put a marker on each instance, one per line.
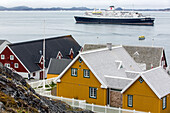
(11, 105)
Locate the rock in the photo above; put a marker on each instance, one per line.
(16, 95)
(1, 106)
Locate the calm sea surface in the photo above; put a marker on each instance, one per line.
(22, 25)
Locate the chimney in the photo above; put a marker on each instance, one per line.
(109, 46)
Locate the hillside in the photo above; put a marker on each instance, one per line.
(26, 8)
(16, 96)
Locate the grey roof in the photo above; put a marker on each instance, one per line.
(141, 54)
(2, 41)
(56, 66)
(157, 79)
(117, 83)
(104, 63)
(147, 55)
(29, 52)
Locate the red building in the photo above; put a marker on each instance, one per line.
(26, 58)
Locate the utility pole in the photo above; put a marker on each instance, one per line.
(44, 58)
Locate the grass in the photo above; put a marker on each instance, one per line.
(52, 85)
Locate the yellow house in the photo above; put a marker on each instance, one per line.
(56, 66)
(149, 92)
(96, 76)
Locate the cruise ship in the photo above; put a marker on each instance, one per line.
(112, 16)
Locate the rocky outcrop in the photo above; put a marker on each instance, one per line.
(16, 95)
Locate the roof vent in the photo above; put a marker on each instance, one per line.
(109, 46)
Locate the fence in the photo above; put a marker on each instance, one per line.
(79, 103)
(41, 82)
(95, 108)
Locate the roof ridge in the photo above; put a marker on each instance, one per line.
(162, 47)
(129, 45)
(37, 40)
(98, 50)
(117, 77)
(151, 69)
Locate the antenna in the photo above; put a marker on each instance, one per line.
(44, 58)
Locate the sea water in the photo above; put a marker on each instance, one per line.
(18, 26)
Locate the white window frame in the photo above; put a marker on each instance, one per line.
(130, 100)
(164, 102)
(16, 65)
(2, 57)
(7, 65)
(74, 72)
(59, 57)
(11, 57)
(86, 73)
(93, 92)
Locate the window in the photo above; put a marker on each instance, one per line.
(130, 100)
(86, 73)
(164, 103)
(7, 65)
(11, 57)
(59, 57)
(33, 74)
(92, 92)
(74, 72)
(2, 57)
(140, 80)
(80, 60)
(16, 65)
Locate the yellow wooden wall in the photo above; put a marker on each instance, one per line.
(144, 99)
(51, 75)
(167, 110)
(78, 87)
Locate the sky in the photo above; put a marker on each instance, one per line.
(88, 3)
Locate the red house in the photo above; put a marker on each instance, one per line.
(26, 58)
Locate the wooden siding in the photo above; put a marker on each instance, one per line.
(144, 99)
(7, 52)
(78, 87)
(51, 75)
